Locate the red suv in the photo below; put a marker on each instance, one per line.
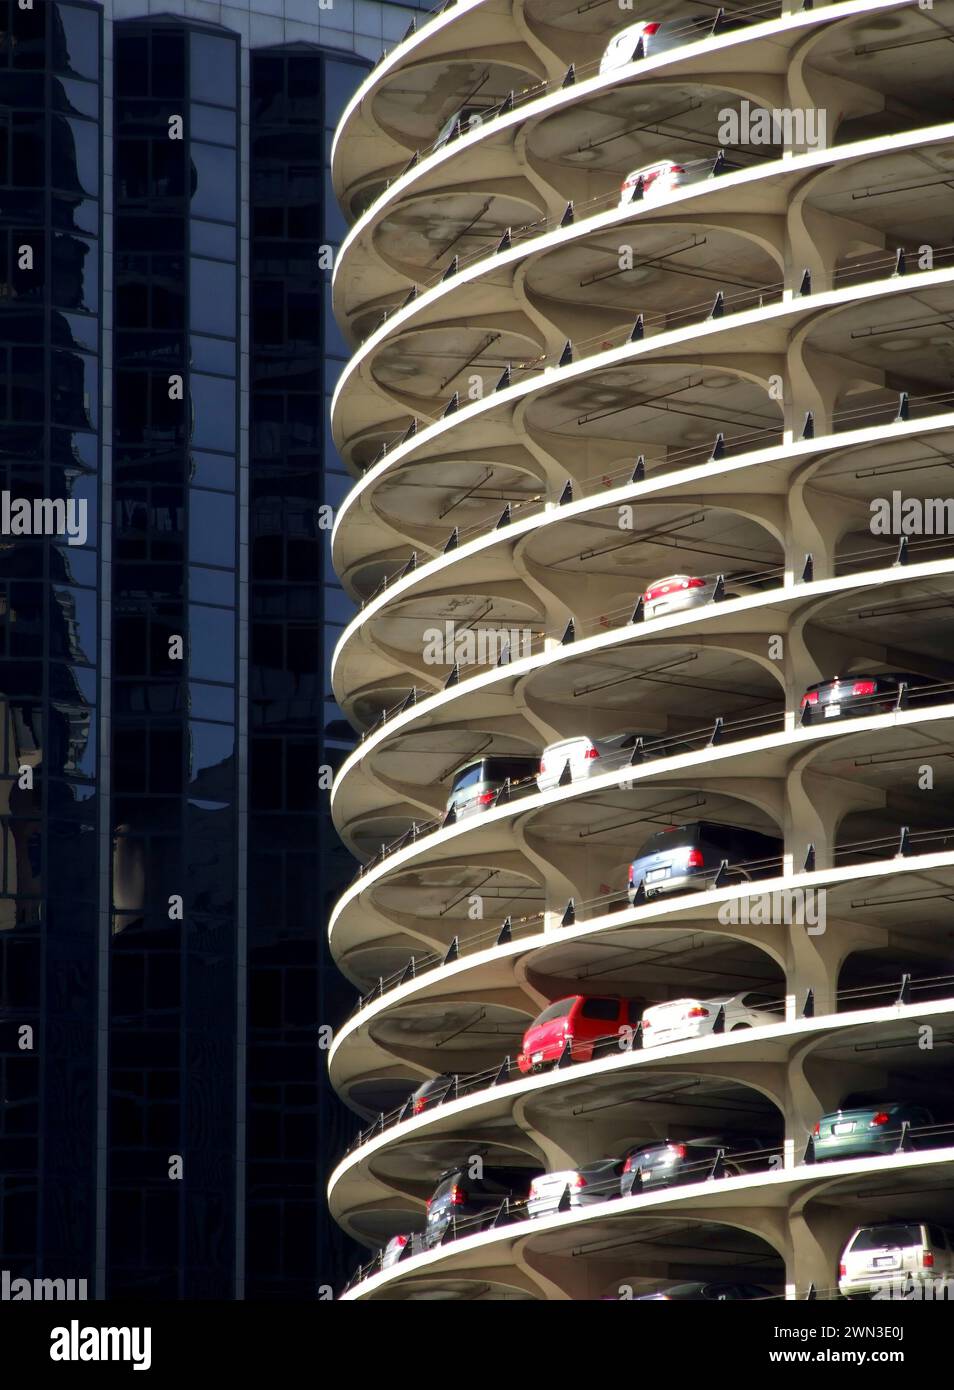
(579, 1020)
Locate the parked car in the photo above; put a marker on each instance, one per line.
(477, 783)
(890, 1251)
(585, 1187)
(669, 1164)
(431, 1091)
(469, 116)
(679, 1019)
(476, 1201)
(579, 1020)
(657, 182)
(677, 592)
(400, 1247)
(857, 695)
(861, 1129)
(702, 1291)
(585, 756)
(689, 856)
(643, 40)
(635, 41)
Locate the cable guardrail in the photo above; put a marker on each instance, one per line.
(674, 37)
(632, 1039)
(874, 850)
(621, 617)
(724, 1163)
(908, 406)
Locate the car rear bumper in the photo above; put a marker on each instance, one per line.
(862, 1146)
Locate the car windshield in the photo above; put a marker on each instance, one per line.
(469, 777)
(558, 1010)
(875, 1237)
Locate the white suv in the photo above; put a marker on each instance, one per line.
(894, 1257)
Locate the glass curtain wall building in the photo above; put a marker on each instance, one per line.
(166, 611)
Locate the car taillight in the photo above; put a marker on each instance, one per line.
(817, 1130)
(678, 1149)
(863, 687)
(809, 698)
(542, 768)
(580, 1181)
(678, 169)
(650, 28)
(880, 1119)
(927, 1259)
(401, 1241)
(696, 859)
(842, 1270)
(628, 1166)
(427, 1204)
(592, 752)
(419, 1106)
(698, 1012)
(485, 798)
(457, 1196)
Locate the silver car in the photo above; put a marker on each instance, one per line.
(881, 1258)
(575, 1187)
(677, 592)
(587, 757)
(681, 1019)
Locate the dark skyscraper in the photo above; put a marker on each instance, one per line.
(167, 854)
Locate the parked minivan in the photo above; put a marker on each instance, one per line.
(466, 1199)
(476, 784)
(689, 856)
(894, 1251)
(579, 1019)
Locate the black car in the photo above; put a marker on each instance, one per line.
(475, 1202)
(699, 1290)
(689, 856)
(844, 697)
(432, 1092)
(666, 1164)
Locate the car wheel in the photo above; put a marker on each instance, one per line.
(736, 1026)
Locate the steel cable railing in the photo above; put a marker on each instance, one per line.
(726, 1163)
(676, 36)
(633, 614)
(872, 850)
(631, 1040)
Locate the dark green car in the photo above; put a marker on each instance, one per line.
(859, 1130)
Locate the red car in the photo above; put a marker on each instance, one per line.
(579, 1020)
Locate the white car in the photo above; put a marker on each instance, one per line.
(658, 181)
(581, 1187)
(889, 1258)
(677, 592)
(470, 118)
(680, 1019)
(624, 46)
(586, 757)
